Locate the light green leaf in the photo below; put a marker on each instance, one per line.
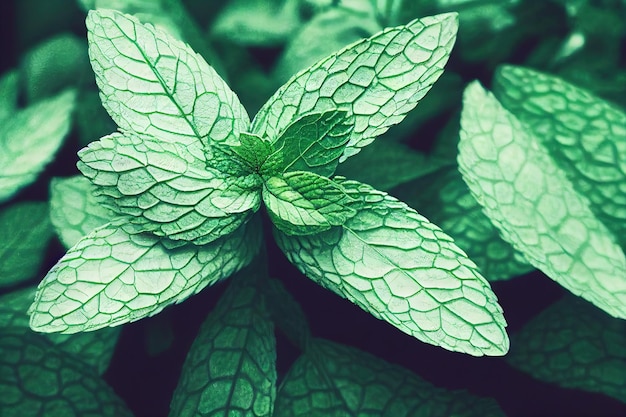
(583, 133)
(74, 210)
(331, 380)
(154, 84)
(9, 90)
(30, 138)
(378, 80)
(313, 142)
(395, 264)
(574, 345)
(114, 276)
(444, 199)
(253, 150)
(94, 348)
(535, 206)
(38, 380)
(231, 366)
(302, 203)
(166, 188)
(26, 231)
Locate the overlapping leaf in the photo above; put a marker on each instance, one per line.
(535, 206)
(377, 80)
(398, 266)
(115, 275)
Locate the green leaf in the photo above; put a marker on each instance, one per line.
(302, 203)
(94, 348)
(26, 231)
(313, 142)
(331, 380)
(154, 84)
(9, 90)
(444, 199)
(574, 345)
(115, 275)
(231, 367)
(535, 206)
(395, 264)
(253, 150)
(38, 380)
(378, 80)
(30, 138)
(166, 188)
(74, 210)
(583, 133)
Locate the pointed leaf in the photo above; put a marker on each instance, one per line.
(231, 367)
(155, 84)
(253, 149)
(535, 206)
(378, 80)
(114, 276)
(395, 264)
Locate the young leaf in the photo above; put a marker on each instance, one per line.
(36, 379)
(74, 210)
(9, 90)
(574, 345)
(253, 150)
(30, 138)
(395, 264)
(378, 80)
(26, 231)
(115, 275)
(584, 134)
(166, 187)
(155, 84)
(302, 203)
(231, 367)
(331, 380)
(534, 205)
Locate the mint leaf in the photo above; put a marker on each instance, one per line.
(574, 345)
(583, 133)
(36, 379)
(26, 231)
(30, 138)
(166, 187)
(378, 80)
(302, 203)
(535, 206)
(395, 264)
(155, 84)
(9, 90)
(74, 210)
(115, 275)
(231, 366)
(253, 150)
(332, 380)
(313, 142)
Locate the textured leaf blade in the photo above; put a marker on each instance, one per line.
(395, 264)
(534, 205)
(583, 133)
(378, 80)
(113, 276)
(231, 366)
(155, 84)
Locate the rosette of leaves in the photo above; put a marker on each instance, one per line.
(187, 174)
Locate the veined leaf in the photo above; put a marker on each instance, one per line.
(302, 203)
(9, 90)
(573, 344)
(74, 210)
(26, 231)
(535, 206)
(38, 380)
(378, 80)
(583, 133)
(395, 264)
(155, 84)
(30, 138)
(331, 380)
(253, 150)
(166, 188)
(114, 276)
(231, 366)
